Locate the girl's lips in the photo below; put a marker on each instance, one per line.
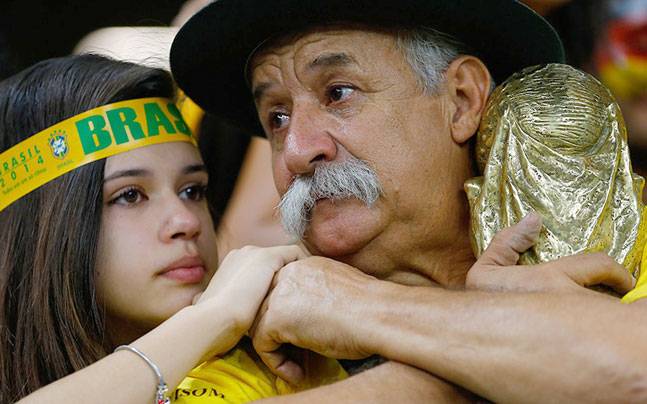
(194, 274)
(186, 270)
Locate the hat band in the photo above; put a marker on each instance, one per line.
(90, 136)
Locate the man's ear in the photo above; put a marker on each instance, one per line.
(468, 84)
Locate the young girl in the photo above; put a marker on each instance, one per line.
(113, 252)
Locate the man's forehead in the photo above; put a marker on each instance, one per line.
(322, 45)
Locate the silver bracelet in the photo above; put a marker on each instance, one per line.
(162, 388)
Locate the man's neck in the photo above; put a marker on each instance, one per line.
(442, 264)
(446, 267)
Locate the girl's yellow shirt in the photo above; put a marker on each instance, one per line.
(240, 377)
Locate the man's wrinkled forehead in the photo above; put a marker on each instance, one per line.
(304, 43)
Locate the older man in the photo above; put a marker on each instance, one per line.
(369, 107)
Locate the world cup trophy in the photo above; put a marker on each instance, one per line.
(553, 141)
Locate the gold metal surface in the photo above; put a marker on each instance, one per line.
(553, 140)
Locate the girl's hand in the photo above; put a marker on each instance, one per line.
(241, 283)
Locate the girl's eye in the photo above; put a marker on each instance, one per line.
(129, 196)
(340, 93)
(194, 192)
(278, 119)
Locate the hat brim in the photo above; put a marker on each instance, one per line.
(209, 53)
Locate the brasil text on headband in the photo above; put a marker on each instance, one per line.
(92, 135)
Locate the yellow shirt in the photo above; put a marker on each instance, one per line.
(640, 290)
(240, 377)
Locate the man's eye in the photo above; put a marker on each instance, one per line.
(194, 192)
(339, 93)
(129, 196)
(278, 119)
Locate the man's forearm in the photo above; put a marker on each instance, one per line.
(515, 347)
(388, 383)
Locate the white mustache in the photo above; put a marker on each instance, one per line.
(352, 178)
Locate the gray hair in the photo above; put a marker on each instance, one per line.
(429, 53)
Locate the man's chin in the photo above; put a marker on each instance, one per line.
(341, 228)
(330, 248)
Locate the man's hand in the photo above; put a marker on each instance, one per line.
(316, 303)
(239, 286)
(496, 269)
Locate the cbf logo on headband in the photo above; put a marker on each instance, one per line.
(96, 134)
(58, 144)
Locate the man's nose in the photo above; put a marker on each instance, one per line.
(180, 222)
(309, 140)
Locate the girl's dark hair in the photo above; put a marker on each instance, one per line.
(50, 321)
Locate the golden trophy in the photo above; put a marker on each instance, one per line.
(553, 140)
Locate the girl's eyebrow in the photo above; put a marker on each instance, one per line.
(141, 172)
(194, 168)
(135, 172)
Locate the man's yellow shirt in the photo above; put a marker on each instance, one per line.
(240, 377)
(640, 291)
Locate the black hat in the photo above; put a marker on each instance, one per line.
(210, 52)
